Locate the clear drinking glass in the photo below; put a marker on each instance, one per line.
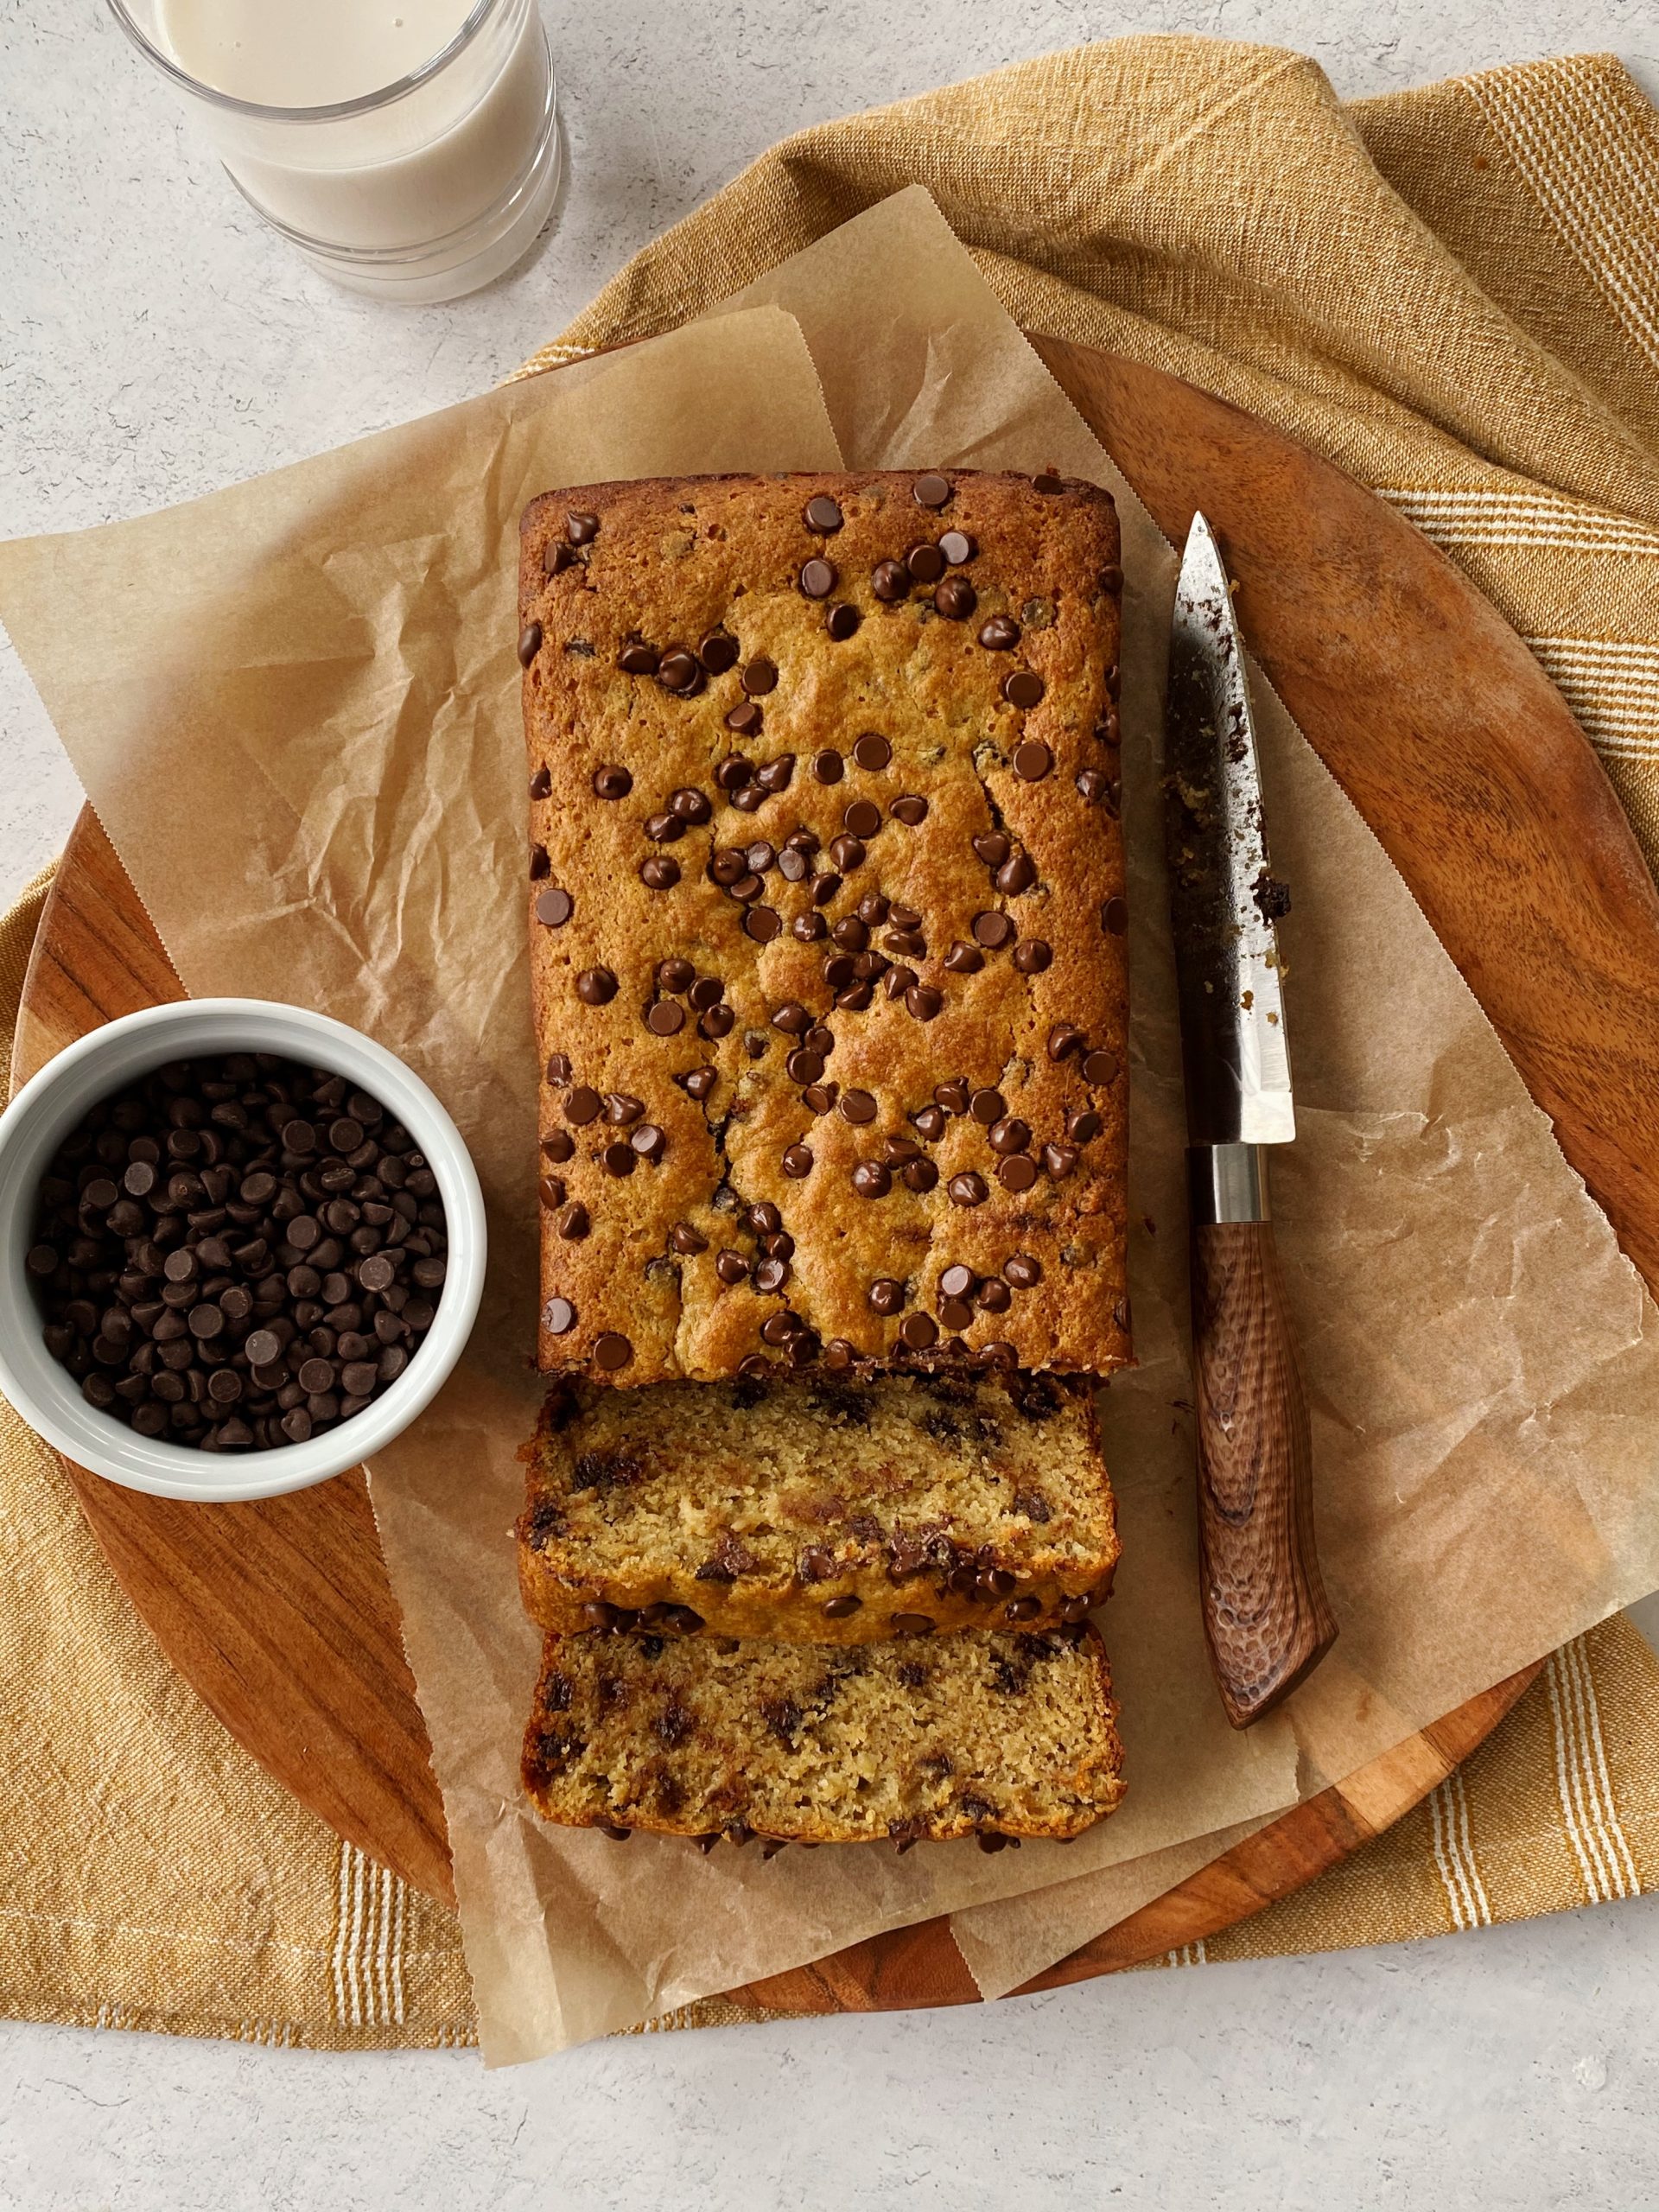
(423, 190)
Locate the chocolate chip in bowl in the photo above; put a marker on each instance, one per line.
(239, 1252)
(244, 1246)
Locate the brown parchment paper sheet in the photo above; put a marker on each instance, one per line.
(997, 1940)
(299, 725)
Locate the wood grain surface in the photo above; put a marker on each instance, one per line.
(1266, 1615)
(1466, 763)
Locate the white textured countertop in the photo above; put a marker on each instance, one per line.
(155, 342)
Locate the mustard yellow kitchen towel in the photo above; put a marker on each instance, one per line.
(1453, 293)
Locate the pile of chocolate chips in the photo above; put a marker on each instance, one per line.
(236, 1253)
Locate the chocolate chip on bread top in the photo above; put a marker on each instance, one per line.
(826, 923)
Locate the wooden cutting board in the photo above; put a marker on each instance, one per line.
(1466, 763)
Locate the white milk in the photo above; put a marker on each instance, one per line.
(425, 194)
(307, 52)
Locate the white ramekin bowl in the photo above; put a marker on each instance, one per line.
(47, 1108)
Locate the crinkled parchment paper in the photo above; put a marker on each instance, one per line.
(298, 723)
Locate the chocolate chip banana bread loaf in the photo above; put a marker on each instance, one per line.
(826, 923)
(815, 1510)
(1002, 1734)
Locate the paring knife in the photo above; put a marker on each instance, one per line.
(1265, 1612)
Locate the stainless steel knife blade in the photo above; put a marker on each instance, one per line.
(1224, 900)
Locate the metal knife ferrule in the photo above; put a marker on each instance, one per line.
(1227, 1182)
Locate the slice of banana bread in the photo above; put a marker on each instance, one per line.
(998, 1734)
(816, 1510)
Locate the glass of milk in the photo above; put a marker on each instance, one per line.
(408, 148)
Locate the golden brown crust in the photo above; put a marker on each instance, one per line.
(813, 1511)
(922, 1741)
(670, 564)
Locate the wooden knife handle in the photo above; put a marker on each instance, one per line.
(1265, 1611)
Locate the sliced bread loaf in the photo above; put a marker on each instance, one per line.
(816, 1510)
(1000, 1735)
